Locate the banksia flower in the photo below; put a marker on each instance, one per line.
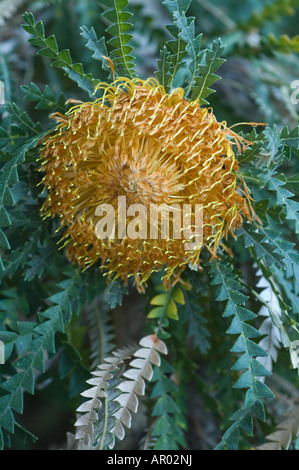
(139, 144)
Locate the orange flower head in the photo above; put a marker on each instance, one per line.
(153, 148)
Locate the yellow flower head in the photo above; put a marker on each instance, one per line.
(152, 147)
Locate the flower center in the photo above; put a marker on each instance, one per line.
(140, 172)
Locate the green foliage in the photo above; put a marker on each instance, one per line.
(195, 320)
(230, 290)
(97, 46)
(166, 305)
(45, 99)
(283, 196)
(186, 48)
(29, 344)
(221, 341)
(167, 432)
(174, 51)
(19, 145)
(120, 38)
(62, 59)
(211, 61)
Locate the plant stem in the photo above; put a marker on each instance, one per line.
(100, 447)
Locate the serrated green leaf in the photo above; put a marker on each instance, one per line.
(245, 381)
(6, 417)
(45, 99)
(4, 243)
(123, 62)
(283, 197)
(61, 59)
(187, 34)
(262, 247)
(115, 293)
(97, 46)
(242, 363)
(195, 323)
(175, 51)
(164, 405)
(177, 5)
(211, 60)
(164, 64)
(251, 369)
